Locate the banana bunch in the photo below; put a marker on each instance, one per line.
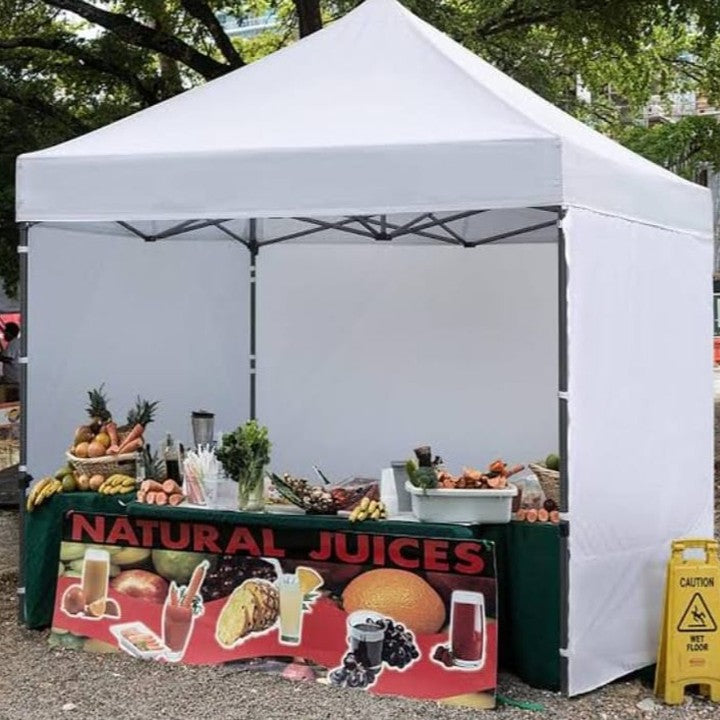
(368, 509)
(41, 491)
(117, 485)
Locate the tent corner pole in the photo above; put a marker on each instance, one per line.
(253, 248)
(23, 479)
(563, 450)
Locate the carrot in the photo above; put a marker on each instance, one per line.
(502, 481)
(141, 495)
(531, 515)
(520, 514)
(497, 466)
(195, 582)
(175, 499)
(493, 482)
(150, 497)
(111, 430)
(170, 487)
(153, 485)
(113, 449)
(514, 470)
(543, 515)
(161, 498)
(134, 434)
(555, 517)
(131, 446)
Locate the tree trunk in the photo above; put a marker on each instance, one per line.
(309, 17)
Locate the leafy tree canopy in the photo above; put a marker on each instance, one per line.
(68, 66)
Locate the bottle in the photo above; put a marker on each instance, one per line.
(140, 467)
(172, 459)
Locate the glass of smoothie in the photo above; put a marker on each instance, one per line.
(467, 629)
(291, 600)
(95, 574)
(177, 626)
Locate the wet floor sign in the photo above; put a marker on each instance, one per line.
(689, 651)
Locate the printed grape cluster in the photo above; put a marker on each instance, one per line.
(399, 649)
(231, 571)
(352, 674)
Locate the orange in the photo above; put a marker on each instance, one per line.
(397, 594)
(309, 579)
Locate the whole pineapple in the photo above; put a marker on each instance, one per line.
(142, 413)
(97, 408)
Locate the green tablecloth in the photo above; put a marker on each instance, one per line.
(528, 568)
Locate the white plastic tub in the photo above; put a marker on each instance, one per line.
(462, 506)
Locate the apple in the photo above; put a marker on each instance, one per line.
(141, 584)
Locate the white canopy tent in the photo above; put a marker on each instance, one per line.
(585, 324)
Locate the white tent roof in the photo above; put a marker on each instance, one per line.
(377, 113)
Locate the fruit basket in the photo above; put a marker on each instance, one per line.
(106, 465)
(549, 480)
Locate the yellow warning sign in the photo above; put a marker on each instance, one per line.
(697, 617)
(689, 652)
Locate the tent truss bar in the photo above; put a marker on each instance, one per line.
(304, 233)
(219, 225)
(421, 233)
(134, 231)
(513, 233)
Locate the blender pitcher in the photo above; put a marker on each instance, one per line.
(468, 636)
(203, 426)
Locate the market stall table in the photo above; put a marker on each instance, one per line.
(528, 567)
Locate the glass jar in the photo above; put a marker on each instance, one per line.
(251, 490)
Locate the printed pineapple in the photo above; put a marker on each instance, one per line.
(253, 607)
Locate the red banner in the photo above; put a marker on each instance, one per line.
(389, 614)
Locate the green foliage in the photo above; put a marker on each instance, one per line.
(69, 66)
(246, 449)
(685, 147)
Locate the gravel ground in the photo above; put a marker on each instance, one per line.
(42, 683)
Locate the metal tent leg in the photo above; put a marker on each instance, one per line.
(253, 247)
(23, 478)
(564, 589)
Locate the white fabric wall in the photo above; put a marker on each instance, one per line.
(166, 320)
(640, 431)
(367, 351)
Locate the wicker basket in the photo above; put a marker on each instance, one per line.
(106, 466)
(549, 480)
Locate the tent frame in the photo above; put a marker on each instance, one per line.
(375, 227)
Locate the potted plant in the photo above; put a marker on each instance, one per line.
(244, 454)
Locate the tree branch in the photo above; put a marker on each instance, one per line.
(140, 35)
(513, 18)
(87, 58)
(46, 109)
(200, 10)
(309, 17)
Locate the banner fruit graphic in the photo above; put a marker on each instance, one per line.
(398, 594)
(252, 607)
